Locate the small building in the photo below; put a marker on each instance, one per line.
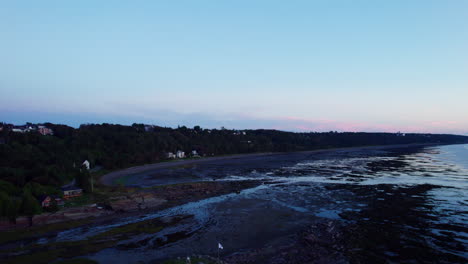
(180, 154)
(45, 200)
(86, 164)
(45, 130)
(149, 128)
(170, 155)
(71, 191)
(23, 129)
(17, 130)
(399, 134)
(58, 200)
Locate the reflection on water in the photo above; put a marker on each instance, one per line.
(392, 206)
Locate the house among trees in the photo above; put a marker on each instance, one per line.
(43, 130)
(17, 130)
(149, 128)
(58, 200)
(24, 129)
(47, 200)
(180, 154)
(71, 191)
(86, 164)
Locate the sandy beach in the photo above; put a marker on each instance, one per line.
(110, 179)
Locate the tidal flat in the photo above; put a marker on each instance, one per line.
(379, 205)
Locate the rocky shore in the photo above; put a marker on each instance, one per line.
(322, 242)
(135, 201)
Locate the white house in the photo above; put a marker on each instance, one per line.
(71, 191)
(86, 164)
(23, 129)
(149, 128)
(171, 155)
(180, 154)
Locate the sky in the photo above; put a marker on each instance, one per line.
(349, 65)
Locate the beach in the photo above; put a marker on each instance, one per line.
(111, 179)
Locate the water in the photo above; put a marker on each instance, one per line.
(372, 206)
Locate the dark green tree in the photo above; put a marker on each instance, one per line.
(13, 209)
(83, 180)
(30, 206)
(4, 202)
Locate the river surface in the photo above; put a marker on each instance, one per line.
(405, 205)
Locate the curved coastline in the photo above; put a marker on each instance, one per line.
(110, 178)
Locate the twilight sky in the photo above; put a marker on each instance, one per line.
(290, 65)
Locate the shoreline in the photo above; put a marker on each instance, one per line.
(109, 179)
(128, 204)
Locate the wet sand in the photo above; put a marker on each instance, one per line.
(111, 179)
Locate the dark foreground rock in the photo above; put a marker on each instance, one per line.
(320, 243)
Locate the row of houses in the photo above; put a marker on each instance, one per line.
(43, 130)
(178, 155)
(181, 154)
(68, 193)
(239, 133)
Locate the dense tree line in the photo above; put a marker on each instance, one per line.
(32, 164)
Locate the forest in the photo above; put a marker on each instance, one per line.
(32, 164)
